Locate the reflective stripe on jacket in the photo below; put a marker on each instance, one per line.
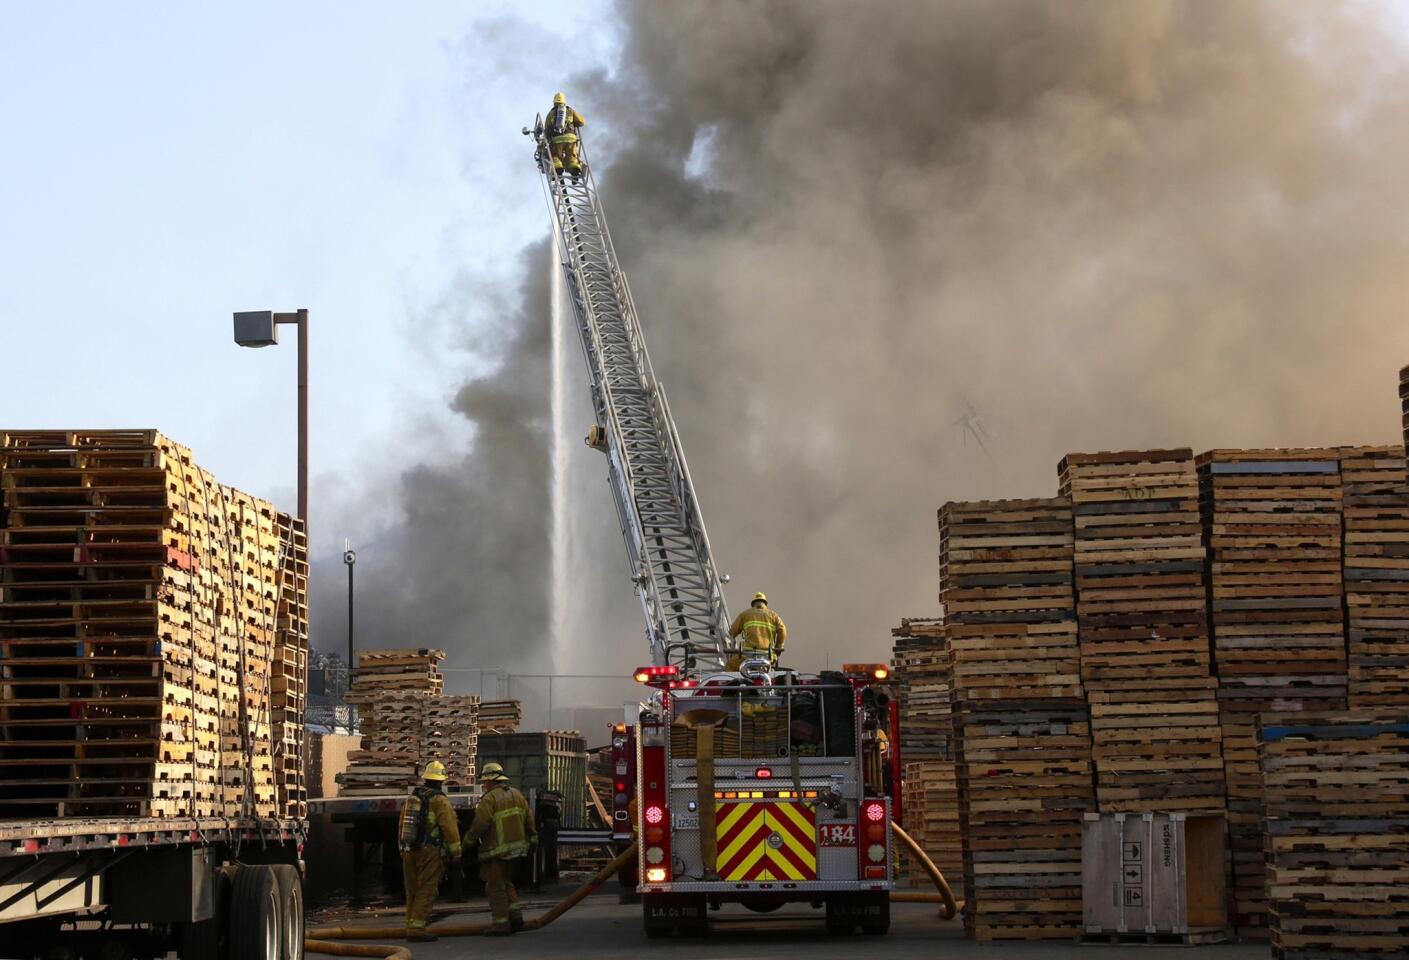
(762, 629)
(503, 826)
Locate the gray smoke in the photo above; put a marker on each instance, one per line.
(1105, 225)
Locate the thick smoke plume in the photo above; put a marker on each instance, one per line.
(1104, 225)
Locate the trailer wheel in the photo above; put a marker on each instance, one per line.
(209, 939)
(291, 910)
(256, 926)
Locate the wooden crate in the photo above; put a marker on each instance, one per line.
(1337, 833)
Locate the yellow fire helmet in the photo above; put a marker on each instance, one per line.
(559, 98)
(760, 596)
(435, 770)
(492, 771)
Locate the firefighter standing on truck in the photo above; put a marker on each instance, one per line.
(561, 128)
(428, 836)
(764, 633)
(504, 831)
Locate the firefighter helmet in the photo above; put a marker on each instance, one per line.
(760, 597)
(559, 98)
(492, 771)
(435, 770)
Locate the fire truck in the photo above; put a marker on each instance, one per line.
(742, 782)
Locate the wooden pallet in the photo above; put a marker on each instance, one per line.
(930, 795)
(1139, 564)
(1376, 563)
(1337, 845)
(1273, 527)
(500, 716)
(139, 615)
(920, 682)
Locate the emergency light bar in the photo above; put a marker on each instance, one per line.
(653, 675)
(877, 671)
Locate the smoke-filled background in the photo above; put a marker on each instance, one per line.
(861, 234)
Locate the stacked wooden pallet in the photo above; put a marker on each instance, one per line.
(1337, 843)
(395, 669)
(450, 734)
(1404, 402)
(1272, 522)
(391, 688)
(1376, 563)
(1144, 636)
(500, 716)
(931, 806)
(145, 611)
(390, 758)
(920, 682)
(1022, 739)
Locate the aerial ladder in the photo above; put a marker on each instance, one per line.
(671, 564)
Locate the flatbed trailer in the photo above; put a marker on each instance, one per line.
(146, 886)
(371, 824)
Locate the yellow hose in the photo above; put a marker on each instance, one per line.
(317, 940)
(951, 906)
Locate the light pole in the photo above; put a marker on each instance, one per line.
(349, 557)
(260, 328)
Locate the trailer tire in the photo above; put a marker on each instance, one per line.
(256, 927)
(290, 885)
(210, 939)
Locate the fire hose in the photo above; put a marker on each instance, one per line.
(320, 939)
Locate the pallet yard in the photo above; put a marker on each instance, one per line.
(1208, 597)
(153, 634)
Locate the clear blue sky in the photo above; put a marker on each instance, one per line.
(168, 163)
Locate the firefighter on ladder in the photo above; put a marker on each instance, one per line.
(504, 832)
(561, 128)
(764, 633)
(429, 835)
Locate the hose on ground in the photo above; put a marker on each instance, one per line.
(317, 939)
(951, 906)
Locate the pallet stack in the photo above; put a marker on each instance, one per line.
(500, 716)
(390, 688)
(143, 610)
(920, 682)
(1022, 739)
(931, 807)
(1144, 634)
(1272, 525)
(450, 734)
(1404, 402)
(1337, 833)
(390, 758)
(1375, 499)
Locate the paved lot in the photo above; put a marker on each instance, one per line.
(600, 927)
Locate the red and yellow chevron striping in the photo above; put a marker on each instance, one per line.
(766, 840)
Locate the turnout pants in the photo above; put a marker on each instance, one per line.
(565, 153)
(422, 870)
(503, 898)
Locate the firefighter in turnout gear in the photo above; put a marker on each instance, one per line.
(504, 832)
(764, 633)
(429, 835)
(561, 128)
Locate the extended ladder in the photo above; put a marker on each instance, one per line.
(687, 622)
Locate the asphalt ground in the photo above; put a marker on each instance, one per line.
(601, 927)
